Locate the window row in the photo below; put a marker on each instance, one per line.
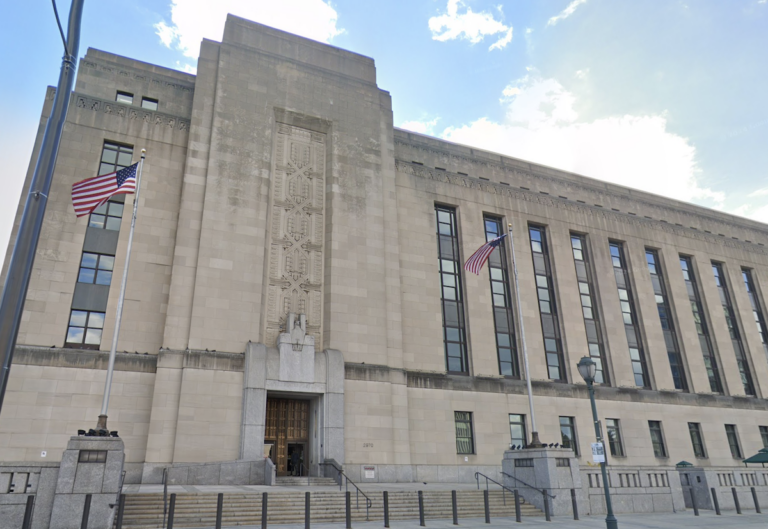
(127, 98)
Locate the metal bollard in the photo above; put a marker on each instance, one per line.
(714, 500)
(547, 514)
(86, 512)
(575, 504)
(386, 509)
(27, 523)
(693, 503)
(518, 514)
(306, 510)
(349, 510)
(120, 512)
(454, 508)
(219, 509)
(736, 500)
(421, 509)
(171, 510)
(487, 507)
(754, 498)
(264, 511)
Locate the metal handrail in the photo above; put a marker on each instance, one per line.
(529, 486)
(368, 502)
(487, 479)
(119, 490)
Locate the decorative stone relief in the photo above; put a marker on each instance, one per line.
(119, 110)
(297, 206)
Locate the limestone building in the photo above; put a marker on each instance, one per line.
(296, 285)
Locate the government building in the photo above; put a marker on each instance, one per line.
(296, 292)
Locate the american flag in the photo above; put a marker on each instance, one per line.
(92, 192)
(475, 263)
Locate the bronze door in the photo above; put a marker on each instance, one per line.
(287, 422)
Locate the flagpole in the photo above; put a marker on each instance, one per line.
(102, 423)
(535, 443)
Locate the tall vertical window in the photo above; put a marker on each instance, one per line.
(550, 325)
(454, 334)
(733, 440)
(700, 319)
(464, 441)
(629, 313)
(657, 439)
(502, 301)
(589, 306)
(697, 440)
(667, 323)
(613, 432)
(568, 434)
(764, 435)
(733, 329)
(517, 431)
(757, 310)
(114, 157)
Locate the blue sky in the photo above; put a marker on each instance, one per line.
(667, 96)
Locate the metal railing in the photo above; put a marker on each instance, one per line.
(529, 486)
(487, 479)
(347, 481)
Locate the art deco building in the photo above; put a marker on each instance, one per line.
(297, 281)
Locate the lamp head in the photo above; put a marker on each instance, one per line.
(587, 369)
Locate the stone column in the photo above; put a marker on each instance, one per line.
(254, 402)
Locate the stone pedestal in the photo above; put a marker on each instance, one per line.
(89, 465)
(553, 469)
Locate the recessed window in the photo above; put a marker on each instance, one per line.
(697, 440)
(764, 435)
(115, 157)
(733, 440)
(613, 431)
(107, 216)
(657, 439)
(517, 430)
(85, 329)
(454, 336)
(124, 97)
(464, 442)
(93, 456)
(96, 268)
(568, 434)
(149, 104)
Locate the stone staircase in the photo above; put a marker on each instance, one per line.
(145, 511)
(299, 481)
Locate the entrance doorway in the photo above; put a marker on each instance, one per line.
(287, 430)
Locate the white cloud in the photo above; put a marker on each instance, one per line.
(422, 127)
(541, 125)
(469, 25)
(565, 13)
(759, 192)
(193, 20)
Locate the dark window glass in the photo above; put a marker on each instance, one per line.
(733, 328)
(764, 435)
(697, 440)
(454, 336)
(568, 434)
(113, 158)
(592, 321)
(757, 306)
(464, 440)
(665, 316)
(613, 432)
(96, 268)
(629, 315)
(517, 432)
(124, 97)
(657, 439)
(550, 324)
(733, 440)
(84, 329)
(149, 104)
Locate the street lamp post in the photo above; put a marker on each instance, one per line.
(587, 370)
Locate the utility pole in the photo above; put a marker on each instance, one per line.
(23, 257)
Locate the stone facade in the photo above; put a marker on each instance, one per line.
(276, 184)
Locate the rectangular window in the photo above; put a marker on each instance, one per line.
(109, 215)
(568, 434)
(667, 321)
(124, 97)
(115, 156)
(592, 322)
(629, 313)
(697, 440)
(96, 268)
(702, 328)
(518, 436)
(454, 333)
(764, 435)
(502, 301)
(84, 329)
(148, 103)
(733, 440)
(733, 329)
(613, 432)
(93, 456)
(550, 324)
(657, 439)
(757, 306)
(464, 441)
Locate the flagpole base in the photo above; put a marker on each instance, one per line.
(535, 442)
(102, 423)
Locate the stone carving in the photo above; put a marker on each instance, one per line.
(296, 245)
(119, 110)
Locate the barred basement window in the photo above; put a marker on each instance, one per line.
(697, 440)
(757, 310)
(657, 439)
(629, 313)
(562, 462)
(454, 334)
(733, 328)
(84, 329)
(592, 322)
(667, 321)
(96, 268)
(464, 441)
(700, 319)
(527, 462)
(93, 456)
(733, 440)
(613, 432)
(502, 301)
(550, 325)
